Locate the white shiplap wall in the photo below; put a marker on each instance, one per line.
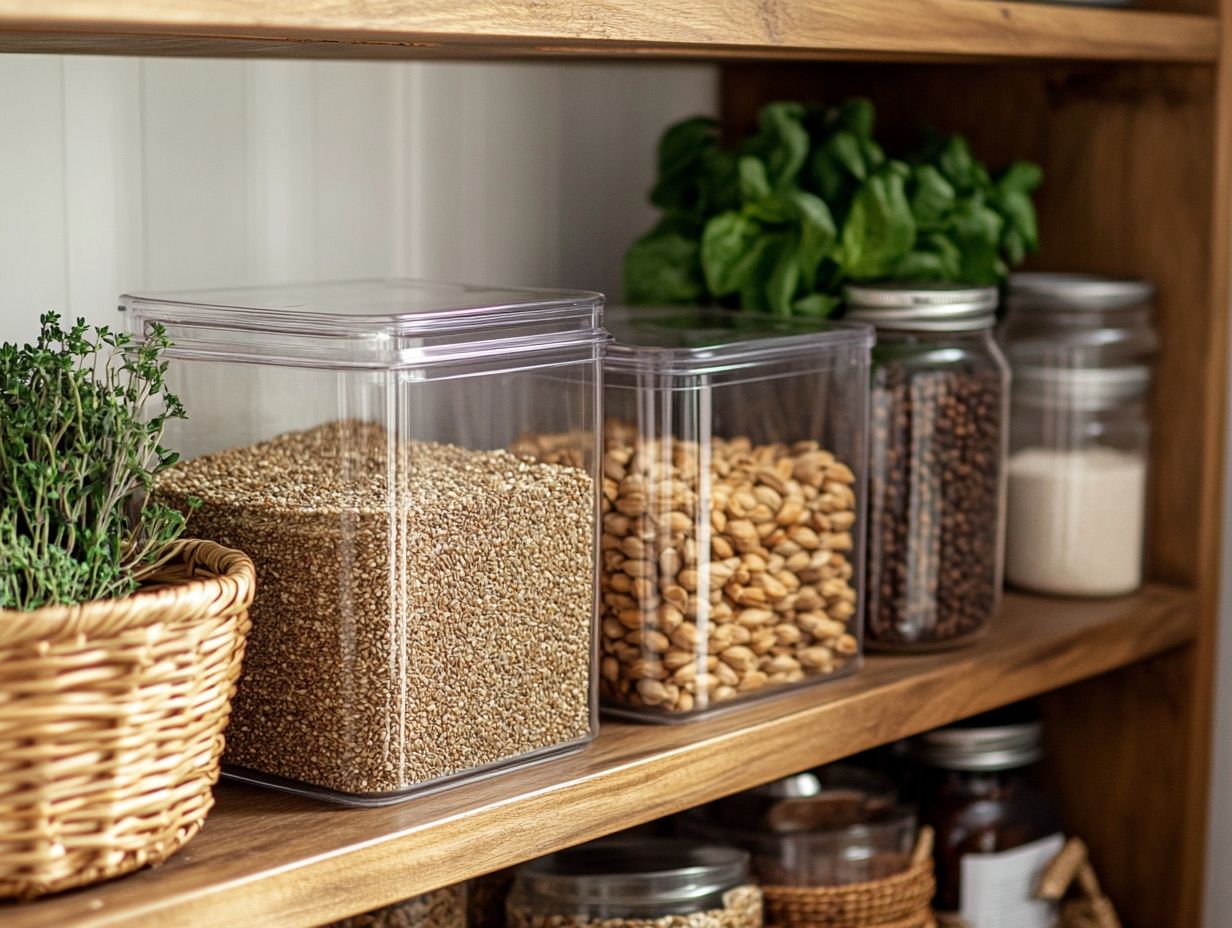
(120, 174)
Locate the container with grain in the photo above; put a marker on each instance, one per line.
(425, 611)
(637, 883)
(936, 472)
(733, 494)
(441, 908)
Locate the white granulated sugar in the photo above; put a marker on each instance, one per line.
(1075, 521)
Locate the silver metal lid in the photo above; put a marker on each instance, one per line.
(1061, 291)
(922, 307)
(1088, 388)
(671, 874)
(981, 748)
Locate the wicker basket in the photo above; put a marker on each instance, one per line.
(1070, 880)
(111, 722)
(899, 901)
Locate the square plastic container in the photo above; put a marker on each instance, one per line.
(733, 508)
(425, 607)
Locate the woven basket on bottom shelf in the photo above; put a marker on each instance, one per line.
(111, 722)
(899, 901)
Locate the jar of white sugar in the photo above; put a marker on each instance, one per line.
(1080, 348)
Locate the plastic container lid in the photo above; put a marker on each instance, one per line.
(1061, 291)
(922, 307)
(369, 323)
(669, 875)
(675, 340)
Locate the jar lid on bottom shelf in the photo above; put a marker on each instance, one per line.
(1000, 740)
(651, 876)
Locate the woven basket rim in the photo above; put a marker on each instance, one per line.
(144, 607)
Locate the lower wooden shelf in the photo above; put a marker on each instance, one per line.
(266, 859)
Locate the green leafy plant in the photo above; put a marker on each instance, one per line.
(810, 201)
(78, 455)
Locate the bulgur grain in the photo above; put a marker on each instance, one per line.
(421, 610)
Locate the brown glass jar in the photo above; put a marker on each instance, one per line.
(995, 826)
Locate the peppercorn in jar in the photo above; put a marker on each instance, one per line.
(936, 463)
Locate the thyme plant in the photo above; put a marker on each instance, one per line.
(81, 420)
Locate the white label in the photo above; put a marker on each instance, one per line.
(998, 890)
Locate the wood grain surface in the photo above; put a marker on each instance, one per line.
(1136, 160)
(914, 29)
(266, 859)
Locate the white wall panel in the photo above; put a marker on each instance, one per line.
(33, 256)
(195, 171)
(120, 174)
(104, 206)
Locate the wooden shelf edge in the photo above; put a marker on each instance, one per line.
(763, 29)
(266, 859)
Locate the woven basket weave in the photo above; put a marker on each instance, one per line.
(899, 901)
(111, 722)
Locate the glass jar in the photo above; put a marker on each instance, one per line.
(830, 827)
(441, 908)
(732, 513)
(632, 883)
(936, 464)
(996, 829)
(354, 439)
(1080, 348)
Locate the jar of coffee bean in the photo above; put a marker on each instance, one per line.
(936, 470)
(732, 508)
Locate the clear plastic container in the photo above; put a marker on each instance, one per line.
(634, 884)
(425, 608)
(1080, 348)
(834, 826)
(733, 489)
(441, 908)
(937, 477)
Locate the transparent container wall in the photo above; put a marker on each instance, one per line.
(652, 882)
(1078, 479)
(936, 493)
(823, 857)
(441, 908)
(425, 606)
(732, 537)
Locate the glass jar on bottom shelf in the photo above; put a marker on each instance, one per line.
(650, 883)
(996, 829)
(441, 908)
(936, 464)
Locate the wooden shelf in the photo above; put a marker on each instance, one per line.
(767, 29)
(266, 859)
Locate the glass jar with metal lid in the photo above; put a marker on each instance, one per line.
(995, 827)
(937, 449)
(1080, 348)
(632, 883)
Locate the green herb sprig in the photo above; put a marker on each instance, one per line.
(78, 456)
(810, 201)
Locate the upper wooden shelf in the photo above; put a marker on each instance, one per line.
(266, 859)
(715, 29)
